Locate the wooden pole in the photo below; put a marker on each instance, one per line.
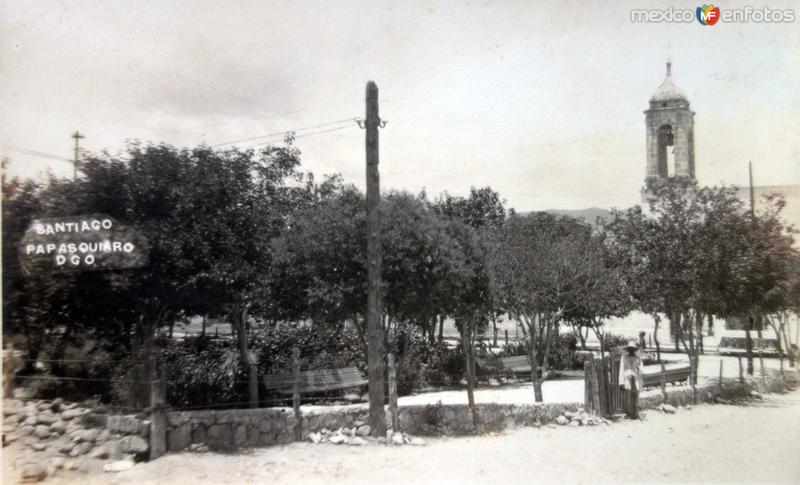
(663, 382)
(720, 375)
(393, 394)
(597, 410)
(741, 370)
(298, 416)
(587, 386)
(158, 414)
(375, 351)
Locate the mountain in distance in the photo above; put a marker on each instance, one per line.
(589, 215)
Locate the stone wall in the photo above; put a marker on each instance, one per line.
(237, 428)
(230, 429)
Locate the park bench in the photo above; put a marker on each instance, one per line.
(317, 381)
(503, 367)
(674, 375)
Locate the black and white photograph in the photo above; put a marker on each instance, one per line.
(400, 242)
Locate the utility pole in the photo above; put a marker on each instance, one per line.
(77, 136)
(375, 351)
(752, 198)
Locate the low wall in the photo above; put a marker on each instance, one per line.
(238, 428)
(235, 428)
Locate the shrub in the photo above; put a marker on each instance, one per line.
(445, 366)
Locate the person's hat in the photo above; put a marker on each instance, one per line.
(632, 345)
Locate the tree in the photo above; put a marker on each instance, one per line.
(544, 266)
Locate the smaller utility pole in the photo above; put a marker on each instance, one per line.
(77, 136)
(752, 197)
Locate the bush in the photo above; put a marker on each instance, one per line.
(444, 367)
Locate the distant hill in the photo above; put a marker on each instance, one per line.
(589, 215)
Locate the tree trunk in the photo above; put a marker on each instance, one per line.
(748, 343)
(203, 330)
(657, 320)
(537, 382)
(698, 317)
(468, 371)
(494, 327)
(710, 325)
(759, 325)
(787, 342)
(441, 328)
(244, 355)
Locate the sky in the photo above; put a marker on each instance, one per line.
(542, 101)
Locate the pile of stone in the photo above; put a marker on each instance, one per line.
(580, 418)
(358, 435)
(55, 435)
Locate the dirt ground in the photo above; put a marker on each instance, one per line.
(754, 441)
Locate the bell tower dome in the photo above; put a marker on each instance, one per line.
(670, 136)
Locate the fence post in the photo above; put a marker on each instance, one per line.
(763, 372)
(393, 393)
(597, 410)
(298, 416)
(741, 371)
(663, 382)
(587, 386)
(720, 376)
(158, 415)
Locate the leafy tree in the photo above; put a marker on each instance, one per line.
(544, 266)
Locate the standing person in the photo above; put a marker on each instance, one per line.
(630, 379)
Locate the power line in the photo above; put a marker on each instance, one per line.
(302, 136)
(281, 133)
(35, 153)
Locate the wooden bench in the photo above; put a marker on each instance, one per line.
(503, 367)
(674, 375)
(314, 381)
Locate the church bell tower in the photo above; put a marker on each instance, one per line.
(670, 137)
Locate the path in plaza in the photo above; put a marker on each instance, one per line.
(753, 442)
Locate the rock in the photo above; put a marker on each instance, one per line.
(8, 439)
(574, 424)
(72, 465)
(58, 427)
(38, 446)
(357, 441)
(33, 472)
(46, 418)
(194, 447)
(202, 449)
(570, 414)
(668, 408)
(397, 439)
(118, 466)
(337, 439)
(104, 436)
(135, 444)
(359, 423)
(80, 449)
(72, 413)
(584, 421)
(41, 431)
(315, 437)
(88, 436)
(179, 438)
(101, 452)
(756, 395)
(30, 421)
(66, 447)
(562, 420)
(56, 462)
(363, 430)
(348, 431)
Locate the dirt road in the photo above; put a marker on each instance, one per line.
(756, 441)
